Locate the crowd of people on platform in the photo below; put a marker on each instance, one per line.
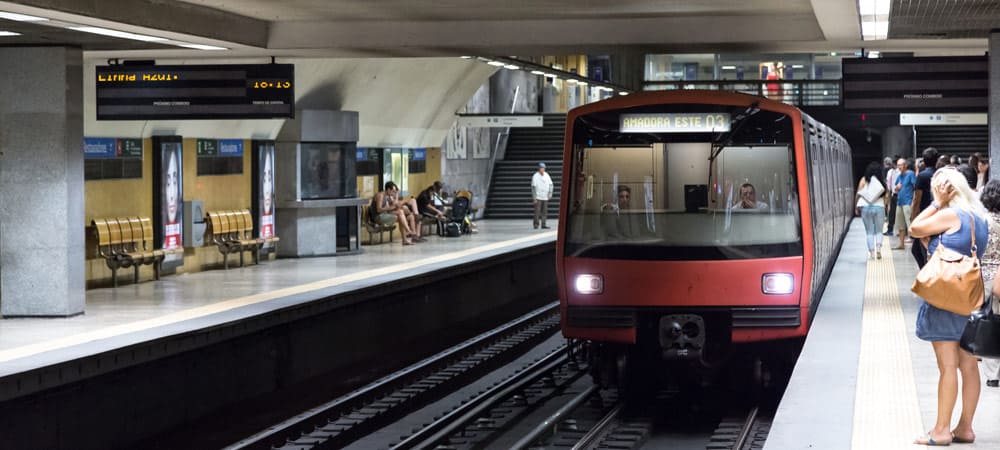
(950, 202)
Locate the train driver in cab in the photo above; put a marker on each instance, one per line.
(748, 199)
(617, 221)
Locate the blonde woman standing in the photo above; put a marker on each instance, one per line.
(949, 221)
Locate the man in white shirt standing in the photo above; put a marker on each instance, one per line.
(541, 192)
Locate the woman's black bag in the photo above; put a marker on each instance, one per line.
(982, 333)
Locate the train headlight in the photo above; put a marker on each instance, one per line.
(777, 283)
(589, 284)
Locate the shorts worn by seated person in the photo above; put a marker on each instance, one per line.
(387, 219)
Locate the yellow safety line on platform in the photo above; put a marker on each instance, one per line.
(886, 412)
(226, 305)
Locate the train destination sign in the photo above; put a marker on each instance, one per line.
(254, 91)
(674, 123)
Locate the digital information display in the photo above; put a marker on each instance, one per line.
(674, 123)
(258, 91)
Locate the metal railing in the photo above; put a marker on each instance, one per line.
(793, 92)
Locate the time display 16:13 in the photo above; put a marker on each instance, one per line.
(265, 84)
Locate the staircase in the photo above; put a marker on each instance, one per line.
(510, 190)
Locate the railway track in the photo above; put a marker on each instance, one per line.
(735, 434)
(347, 418)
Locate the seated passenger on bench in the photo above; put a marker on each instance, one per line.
(388, 210)
(748, 199)
(426, 204)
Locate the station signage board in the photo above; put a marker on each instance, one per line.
(193, 92)
(513, 121)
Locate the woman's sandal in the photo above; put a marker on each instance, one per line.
(930, 442)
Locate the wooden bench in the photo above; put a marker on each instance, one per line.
(126, 242)
(232, 232)
(373, 226)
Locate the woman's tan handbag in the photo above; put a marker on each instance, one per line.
(950, 280)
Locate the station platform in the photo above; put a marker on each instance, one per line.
(154, 360)
(864, 380)
(155, 311)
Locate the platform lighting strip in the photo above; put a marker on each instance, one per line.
(8, 33)
(102, 31)
(547, 72)
(874, 19)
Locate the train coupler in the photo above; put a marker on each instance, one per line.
(682, 336)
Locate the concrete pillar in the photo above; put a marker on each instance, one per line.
(994, 111)
(41, 182)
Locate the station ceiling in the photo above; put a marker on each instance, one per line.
(386, 28)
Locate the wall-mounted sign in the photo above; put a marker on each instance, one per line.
(942, 119)
(231, 147)
(207, 147)
(674, 123)
(513, 121)
(245, 91)
(103, 148)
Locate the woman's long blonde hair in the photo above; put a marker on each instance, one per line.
(964, 198)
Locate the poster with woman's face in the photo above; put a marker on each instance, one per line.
(266, 190)
(172, 195)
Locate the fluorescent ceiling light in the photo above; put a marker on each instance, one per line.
(537, 72)
(9, 33)
(874, 19)
(798, 66)
(496, 63)
(21, 17)
(728, 67)
(197, 46)
(875, 7)
(581, 83)
(118, 34)
(874, 54)
(511, 67)
(571, 81)
(623, 93)
(465, 57)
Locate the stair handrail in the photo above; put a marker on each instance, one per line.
(496, 149)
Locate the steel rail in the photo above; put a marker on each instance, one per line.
(588, 439)
(317, 414)
(450, 423)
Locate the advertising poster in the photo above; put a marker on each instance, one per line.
(266, 181)
(263, 188)
(168, 197)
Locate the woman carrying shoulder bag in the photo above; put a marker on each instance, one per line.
(950, 221)
(871, 206)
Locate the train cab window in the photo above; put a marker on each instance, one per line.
(704, 182)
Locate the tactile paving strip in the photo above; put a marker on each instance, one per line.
(886, 412)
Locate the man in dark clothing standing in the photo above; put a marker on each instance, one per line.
(922, 198)
(889, 174)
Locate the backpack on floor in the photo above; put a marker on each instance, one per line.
(452, 229)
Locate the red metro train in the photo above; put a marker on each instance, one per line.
(696, 221)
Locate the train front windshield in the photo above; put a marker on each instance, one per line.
(683, 182)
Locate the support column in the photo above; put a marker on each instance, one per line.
(994, 111)
(41, 182)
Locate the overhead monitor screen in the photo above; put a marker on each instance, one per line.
(255, 91)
